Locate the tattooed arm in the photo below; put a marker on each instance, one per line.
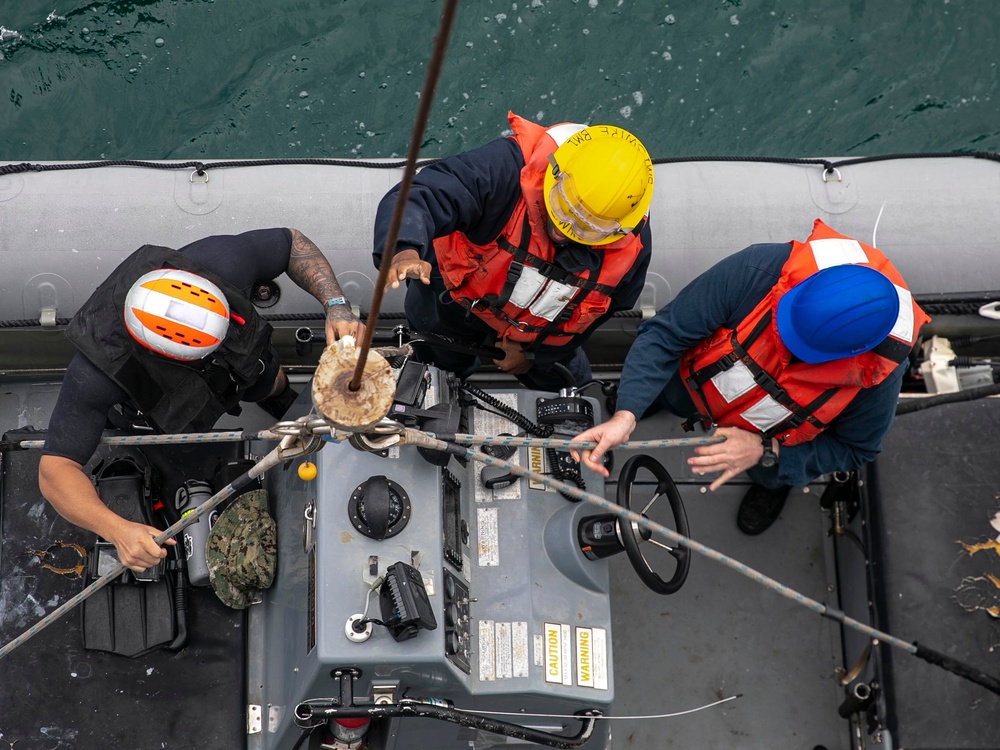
(309, 268)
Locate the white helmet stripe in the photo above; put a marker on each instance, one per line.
(903, 327)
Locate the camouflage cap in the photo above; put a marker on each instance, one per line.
(242, 549)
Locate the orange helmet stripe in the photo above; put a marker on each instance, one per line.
(189, 293)
(173, 330)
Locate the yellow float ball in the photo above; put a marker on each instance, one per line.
(307, 471)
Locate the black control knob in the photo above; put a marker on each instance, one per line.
(496, 478)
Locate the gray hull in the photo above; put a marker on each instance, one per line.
(63, 231)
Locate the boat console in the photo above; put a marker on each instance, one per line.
(412, 583)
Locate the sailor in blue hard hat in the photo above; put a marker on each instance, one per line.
(794, 352)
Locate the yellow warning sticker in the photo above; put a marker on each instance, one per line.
(558, 654)
(538, 464)
(592, 658)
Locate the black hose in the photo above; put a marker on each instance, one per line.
(407, 707)
(966, 671)
(303, 737)
(443, 342)
(180, 610)
(908, 406)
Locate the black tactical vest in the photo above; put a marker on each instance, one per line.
(174, 396)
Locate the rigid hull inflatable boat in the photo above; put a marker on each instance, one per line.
(498, 623)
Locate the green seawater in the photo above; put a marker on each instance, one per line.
(179, 79)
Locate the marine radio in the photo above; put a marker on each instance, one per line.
(405, 606)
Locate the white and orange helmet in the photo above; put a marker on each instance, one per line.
(177, 314)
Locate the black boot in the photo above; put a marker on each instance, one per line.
(278, 404)
(760, 508)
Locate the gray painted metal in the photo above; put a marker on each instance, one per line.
(521, 564)
(64, 231)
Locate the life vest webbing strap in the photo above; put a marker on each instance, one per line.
(893, 349)
(567, 312)
(794, 422)
(696, 379)
(516, 266)
(550, 270)
(726, 362)
(799, 414)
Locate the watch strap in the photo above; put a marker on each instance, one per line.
(333, 302)
(768, 458)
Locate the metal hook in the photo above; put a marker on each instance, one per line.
(835, 171)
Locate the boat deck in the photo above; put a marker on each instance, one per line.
(721, 635)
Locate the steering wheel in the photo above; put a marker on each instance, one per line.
(631, 535)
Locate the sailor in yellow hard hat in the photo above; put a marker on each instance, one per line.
(529, 242)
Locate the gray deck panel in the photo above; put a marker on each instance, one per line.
(723, 634)
(720, 635)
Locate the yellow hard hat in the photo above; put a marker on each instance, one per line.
(599, 185)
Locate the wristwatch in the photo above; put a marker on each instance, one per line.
(333, 302)
(770, 458)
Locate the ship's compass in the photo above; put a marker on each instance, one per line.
(379, 508)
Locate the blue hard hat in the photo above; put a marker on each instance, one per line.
(836, 313)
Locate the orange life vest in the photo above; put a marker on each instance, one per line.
(745, 377)
(512, 283)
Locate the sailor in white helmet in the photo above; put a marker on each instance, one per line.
(172, 337)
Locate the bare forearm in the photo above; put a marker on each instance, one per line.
(309, 268)
(70, 492)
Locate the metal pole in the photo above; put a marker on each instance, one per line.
(954, 666)
(272, 459)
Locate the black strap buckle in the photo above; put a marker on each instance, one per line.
(514, 271)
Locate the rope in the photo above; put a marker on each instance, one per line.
(277, 318)
(828, 164)
(521, 442)
(419, 124)
(202, 168)
(672, 537)
(234, 436)
(671, 715)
